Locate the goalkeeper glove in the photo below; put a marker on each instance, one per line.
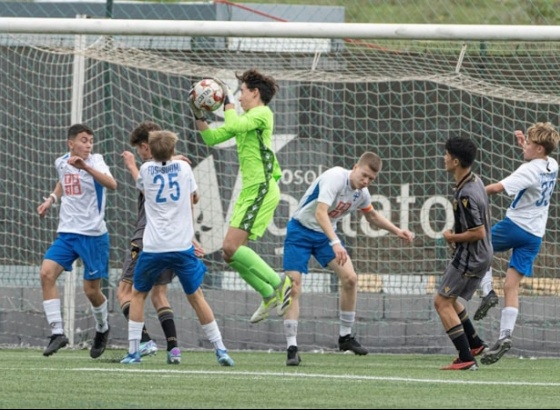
(197, 112)
(228, 95)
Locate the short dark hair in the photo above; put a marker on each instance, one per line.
(463, 149)
(141, 133)
(266, 85)
(371, 160)
(76, 129)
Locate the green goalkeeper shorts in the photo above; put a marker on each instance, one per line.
(255, 208)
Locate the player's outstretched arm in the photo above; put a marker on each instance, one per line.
(50, 200)
(375, 219)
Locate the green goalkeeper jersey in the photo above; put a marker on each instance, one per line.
(253, 135)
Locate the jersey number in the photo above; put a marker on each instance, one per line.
(340, 209)
(547, 188)
(175, 190)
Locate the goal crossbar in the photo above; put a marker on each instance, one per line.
(278, 29)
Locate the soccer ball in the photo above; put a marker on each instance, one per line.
(208, 95)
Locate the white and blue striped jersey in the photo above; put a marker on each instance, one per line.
(333, 188)
(532, 184)
(82, 209)
(167, 189)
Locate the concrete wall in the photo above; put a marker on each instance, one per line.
(384, 323)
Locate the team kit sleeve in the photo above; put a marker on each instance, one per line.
(235, 125)
(521, 179)
(471, 211)
(140, 180)
(192, 180)
(365, 204)
(100, 164)
(330, 184)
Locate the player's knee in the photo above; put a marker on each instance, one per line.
(349, 281)
(48, 276)
(296, 286)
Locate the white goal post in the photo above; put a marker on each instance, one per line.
(400, 90)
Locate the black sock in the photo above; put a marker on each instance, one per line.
(165, 316)
(470, 331)
(459, 339)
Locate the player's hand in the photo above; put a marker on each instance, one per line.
(447, 236)
(77, 162)
(44, 207)
(229, 98)
(129, 160)
(197, 112)
(520, 138)
(198, 249)
(406, 235)
(340, 253)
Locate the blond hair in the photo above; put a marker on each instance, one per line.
(545, 135)
(162, 145)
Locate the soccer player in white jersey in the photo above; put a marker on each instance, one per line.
(82, 233)
(168, 185)
(524, 226)
(312, 232)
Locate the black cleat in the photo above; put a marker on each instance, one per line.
(487, 303)
(348, 342)
(293, 357)
(99, 344)
(57, 342)
(495, 353)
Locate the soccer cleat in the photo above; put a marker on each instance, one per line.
(148, 348)
(223, 358)
(57, 342)
(174, 356)
(264, 309)
(284, 296)
(293, 357)
(99, 344)
(132, 358)
(487, 303)
(496, 352)
(460, 365)
(349, 343)
(477, 351)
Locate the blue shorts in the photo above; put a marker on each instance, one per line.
(507, 235)
(92, 250)
(189, 269)
(301, 243)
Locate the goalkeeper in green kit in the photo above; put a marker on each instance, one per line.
(260, 194)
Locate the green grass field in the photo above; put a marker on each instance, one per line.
(70, 379)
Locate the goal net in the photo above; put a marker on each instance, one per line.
(339, 97)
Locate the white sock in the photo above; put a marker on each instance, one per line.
(290, 331)
(507, 322)
(213, 334)
(346, 322)
(54, 316)
(134, 335)
(486, 283)
(100, 314)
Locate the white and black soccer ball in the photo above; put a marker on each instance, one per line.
(208, 95)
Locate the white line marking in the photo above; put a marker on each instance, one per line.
(295, 375)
